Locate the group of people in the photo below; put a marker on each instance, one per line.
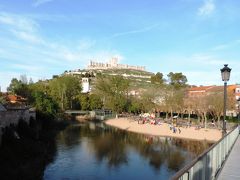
(149, 120)
(174, 129)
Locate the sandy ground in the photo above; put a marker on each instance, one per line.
(164, 130)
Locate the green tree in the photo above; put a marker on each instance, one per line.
(136, 106)
(2, 99)
(84, 101)
(95, 102)
(17, 87)
(65, 90)
(14, 86)
(44, 103)
(177, 80)
(157, 78)
(114, 90)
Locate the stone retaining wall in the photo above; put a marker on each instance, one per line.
(13, 116)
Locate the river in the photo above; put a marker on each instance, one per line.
(96, 151)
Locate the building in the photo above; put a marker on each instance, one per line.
(85, 85)
(2, 108)
(113, 64)
(207, 90)
(13, 110)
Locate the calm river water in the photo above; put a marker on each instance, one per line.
(96, 151)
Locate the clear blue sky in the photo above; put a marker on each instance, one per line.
(41, 38)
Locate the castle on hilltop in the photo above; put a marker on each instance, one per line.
(113, 64)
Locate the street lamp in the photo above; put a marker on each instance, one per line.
(225, 72)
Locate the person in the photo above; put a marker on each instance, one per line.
(179, 130)
(174, 129)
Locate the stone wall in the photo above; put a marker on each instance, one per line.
(113, 65)
(13, 116)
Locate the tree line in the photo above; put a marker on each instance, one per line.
(114, 92)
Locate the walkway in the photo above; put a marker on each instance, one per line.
(231, 169)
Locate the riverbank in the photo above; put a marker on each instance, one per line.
(164, 130)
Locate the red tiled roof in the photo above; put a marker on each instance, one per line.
(201, 88)
(15, 98)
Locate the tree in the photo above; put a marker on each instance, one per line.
(84, 101)
(30, 81)
(177, 80)
(173, 100)
(17, 87)
(2, 99)
(44, 103)
(157, 78)
(201, 107)
(14, 86)
(148, 99)
(114, 91)
(95, 102)
(23, 79)
(135, 106)
(215, 102)
(189, 103)
(65, 90)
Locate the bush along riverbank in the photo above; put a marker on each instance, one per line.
(27, 149)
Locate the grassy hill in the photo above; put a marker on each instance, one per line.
(138, 78)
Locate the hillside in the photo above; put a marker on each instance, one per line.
(138, 78)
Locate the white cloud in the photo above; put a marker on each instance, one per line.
(28, 68)
(21, 27)
(145, 29)
(40, 2)
(207, 59)
(85, 44)
(226, 45)
(27, 37)
(18, 22)
(207, 8)
(37, 56)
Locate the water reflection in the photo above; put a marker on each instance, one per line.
(113, 149)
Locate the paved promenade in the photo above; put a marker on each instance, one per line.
(231, 169)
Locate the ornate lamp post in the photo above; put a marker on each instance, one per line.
(225, 72)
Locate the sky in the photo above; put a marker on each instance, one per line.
(41, 38)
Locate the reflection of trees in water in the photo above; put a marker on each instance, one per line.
(196, 147)
(111, 148)
(111, 144)
(158, 151)
(70, 136)
(175, 160)
(27, 157)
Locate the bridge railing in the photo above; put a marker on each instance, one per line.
(207, 165)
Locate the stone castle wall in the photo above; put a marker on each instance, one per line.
(112, 64)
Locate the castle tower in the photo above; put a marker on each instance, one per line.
(113, 62)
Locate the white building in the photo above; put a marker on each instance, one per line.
(85, 85)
